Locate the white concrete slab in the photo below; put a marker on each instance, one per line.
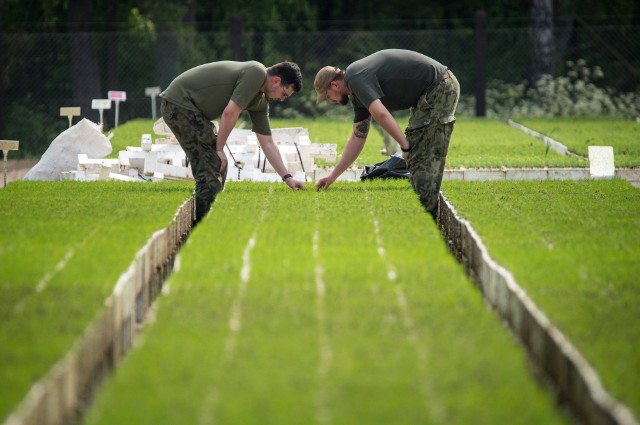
(601, 163)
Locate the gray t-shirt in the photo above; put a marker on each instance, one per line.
(397, 77)
(208, 88)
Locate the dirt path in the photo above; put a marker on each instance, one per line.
(16, 169)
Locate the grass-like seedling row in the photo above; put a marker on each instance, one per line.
(63, 246)
(580, 133)
(476, 143)
(573, 246)
(341, 306)
(483, 143)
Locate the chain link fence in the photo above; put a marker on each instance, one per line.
(41, 73)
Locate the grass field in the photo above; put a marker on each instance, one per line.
(573, 246)
(63, 246)
(580, 133)
(482, 143)
(337, 307)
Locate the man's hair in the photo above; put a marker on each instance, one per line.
(289, 73)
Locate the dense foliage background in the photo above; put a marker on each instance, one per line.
(56, 53)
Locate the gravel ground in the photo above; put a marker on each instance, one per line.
(16, 169)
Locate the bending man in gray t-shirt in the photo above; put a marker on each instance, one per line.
(225, 89)
(392, 80)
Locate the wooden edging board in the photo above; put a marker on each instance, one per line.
(68, 387)
(574, 379)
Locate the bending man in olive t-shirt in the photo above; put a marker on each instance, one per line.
(225, 89)
(392, 80)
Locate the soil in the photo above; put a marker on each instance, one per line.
(16, 169)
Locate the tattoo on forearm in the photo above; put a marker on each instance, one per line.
(361, 129)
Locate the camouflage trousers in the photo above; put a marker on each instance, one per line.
(429, 132)
(197, 137)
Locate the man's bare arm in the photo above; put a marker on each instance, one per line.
(361, 129)
(350, 153)
(386, 121)
(228, 120)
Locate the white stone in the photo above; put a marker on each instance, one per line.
(84, 137)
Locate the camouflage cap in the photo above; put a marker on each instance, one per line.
(323, 80)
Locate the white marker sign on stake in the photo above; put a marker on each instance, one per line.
(117, 96)
(70, 113)
(153, 92)
(5, 147)
(101, 104)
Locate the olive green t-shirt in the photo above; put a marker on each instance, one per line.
(209, 87)
(397, 77)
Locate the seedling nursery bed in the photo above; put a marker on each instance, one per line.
(580, 133)
(573, 247)
(63, 246)
(372, 303)
(336, 307)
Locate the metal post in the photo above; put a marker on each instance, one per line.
(481, 63)
(6, 146)
(236, 38)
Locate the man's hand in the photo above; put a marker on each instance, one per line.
(324, 183)
(295, 184)
(223, 160)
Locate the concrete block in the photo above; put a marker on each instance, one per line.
(484, 175)
(453, 175)
(327, 151)
(146, 142)
(294, 166)
(167, 141)
(105, 170)
(288, 136)
(526, 174)
(601, 164)
(177, 149)
(173, 171)
(133, 159)
(568, 173)
(122, 177)
(630, 175)
(303, 140)
(349, 175)
(150, 163)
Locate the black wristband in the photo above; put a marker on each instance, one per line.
(286, 176)
(405, 150)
